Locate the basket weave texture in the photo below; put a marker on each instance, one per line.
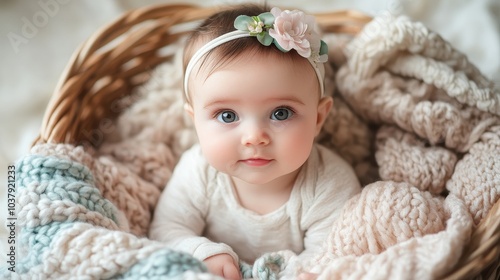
(118, 59)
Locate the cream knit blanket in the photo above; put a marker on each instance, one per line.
(411, 114)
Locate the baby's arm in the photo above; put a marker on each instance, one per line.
(179, 218)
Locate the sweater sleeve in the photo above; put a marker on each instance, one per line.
(335, 184)
(179, 218)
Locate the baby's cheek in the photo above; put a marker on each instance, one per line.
(301, 140)
(216, 151)
(301, 145)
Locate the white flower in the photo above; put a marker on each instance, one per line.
(256, 27)
(292, 30)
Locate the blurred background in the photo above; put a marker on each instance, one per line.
(37, 38)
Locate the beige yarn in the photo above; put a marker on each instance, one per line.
(430, 100)
(476, 179)
(410, 49)
(384, 214)
(424, 257)
(401, 74)
(415, 107)
(403, 157)
(88, 252)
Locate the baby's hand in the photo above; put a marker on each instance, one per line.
(223, 265)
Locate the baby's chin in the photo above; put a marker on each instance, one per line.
(266, 177)
(254, 180)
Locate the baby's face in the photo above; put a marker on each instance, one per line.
(256, 117)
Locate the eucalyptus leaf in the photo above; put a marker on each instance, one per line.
(242, 22)
(265, 39)
(267, 18)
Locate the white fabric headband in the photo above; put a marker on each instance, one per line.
(286, 29)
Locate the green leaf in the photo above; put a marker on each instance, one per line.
(242, 22)
(267, 18)
(324, 48)
(265, 39)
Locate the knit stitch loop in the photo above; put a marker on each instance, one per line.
(53, 189)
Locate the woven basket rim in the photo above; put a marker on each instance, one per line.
(75, 104)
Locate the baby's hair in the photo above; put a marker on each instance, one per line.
(222, 23)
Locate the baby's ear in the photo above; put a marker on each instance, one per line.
(189, 109)
(324, 107)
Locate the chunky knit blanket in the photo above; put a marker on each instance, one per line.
(413, 116)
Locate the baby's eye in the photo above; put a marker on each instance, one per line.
(227, 117)
(281, 114)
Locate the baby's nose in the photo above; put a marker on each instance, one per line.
(255, 134)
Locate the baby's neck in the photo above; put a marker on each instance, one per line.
(265, 198)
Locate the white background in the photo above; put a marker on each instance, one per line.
(37, 38)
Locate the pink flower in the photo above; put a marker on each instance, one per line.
(293, 30)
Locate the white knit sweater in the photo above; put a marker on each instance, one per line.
(198, 211)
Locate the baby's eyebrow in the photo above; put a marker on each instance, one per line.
(218, 102)
(292, 99)
(234, 101)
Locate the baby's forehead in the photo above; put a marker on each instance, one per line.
(248, 82)
(217, 61)
(260, 67)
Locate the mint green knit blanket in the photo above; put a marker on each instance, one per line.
(68, 228)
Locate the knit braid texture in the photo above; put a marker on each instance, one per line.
(69, 230)
(417, 121)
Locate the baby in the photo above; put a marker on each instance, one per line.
(257, 182)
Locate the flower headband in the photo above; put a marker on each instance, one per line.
(287, 30)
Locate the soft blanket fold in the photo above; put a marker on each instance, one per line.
(411, 114)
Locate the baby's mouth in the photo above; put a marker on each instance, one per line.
(256, 162)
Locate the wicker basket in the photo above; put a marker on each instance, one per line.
(113, 62)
